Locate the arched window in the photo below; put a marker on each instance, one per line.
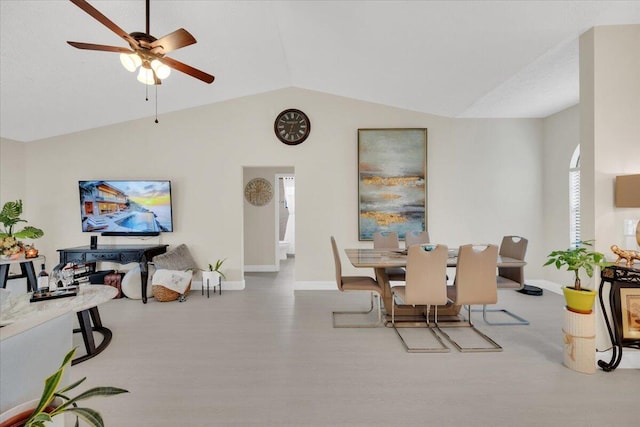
(574, 199)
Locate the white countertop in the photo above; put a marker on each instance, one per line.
(19, 308)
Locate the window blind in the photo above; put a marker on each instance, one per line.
(574, 207)
(574, 199)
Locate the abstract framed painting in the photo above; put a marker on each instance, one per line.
(392, 181)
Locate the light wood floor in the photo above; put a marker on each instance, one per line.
(267, 356)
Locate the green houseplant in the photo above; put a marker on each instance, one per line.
(211, 277)
(217, 267)
(54, 401)
(10, 216)
(576, 259)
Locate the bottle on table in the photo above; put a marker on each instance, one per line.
(43, 279)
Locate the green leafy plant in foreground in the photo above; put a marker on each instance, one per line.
(576, 259)
(51, 391)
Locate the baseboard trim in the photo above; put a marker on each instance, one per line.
(630, 358)
(261, 268)
(315, 286)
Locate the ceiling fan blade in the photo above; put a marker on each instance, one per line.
(95, 13)
(101, 47)
(176, 40)
(187, 69)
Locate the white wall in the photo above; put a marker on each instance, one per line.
(487, 183)
(616, 125)
(561, 137)
(12, 176)
(485, 176)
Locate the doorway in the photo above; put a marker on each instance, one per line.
(265, 240)
(285, 216)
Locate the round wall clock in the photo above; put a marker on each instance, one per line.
(258, 192)
(292, 126)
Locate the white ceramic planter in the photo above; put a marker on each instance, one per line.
(212, 276)
(57, 421)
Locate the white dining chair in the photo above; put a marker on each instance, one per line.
(389, 240)
(426, 285)
(475, 283)
(509, 278)
(416, 238)
(356, 283)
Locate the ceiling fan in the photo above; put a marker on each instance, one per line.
(145, 51)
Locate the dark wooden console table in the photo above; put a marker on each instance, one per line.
(624, 298)
(120, 254)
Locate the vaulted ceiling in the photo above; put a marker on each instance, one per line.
(449, 58)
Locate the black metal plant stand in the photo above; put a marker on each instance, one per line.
(219, 286)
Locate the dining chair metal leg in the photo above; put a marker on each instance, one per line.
(361, 325)
(520, 320)
(443, 347)
(494, 345)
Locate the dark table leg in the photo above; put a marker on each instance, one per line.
(4, 275)
(616, 355)
(84, 318)
(144, 276)
(27, 271)
(86, 330)
(30, 273)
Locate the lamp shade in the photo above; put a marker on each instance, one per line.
(162, 71)
(145, 75)
(130, 61)
(628, 191)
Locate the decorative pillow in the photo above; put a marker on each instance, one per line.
(176, 259)
(132, 283)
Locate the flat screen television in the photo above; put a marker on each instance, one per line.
(121, 208)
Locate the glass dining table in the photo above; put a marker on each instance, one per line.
(380, 259)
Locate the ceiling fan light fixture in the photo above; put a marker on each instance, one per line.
(162, 71)
(144, 48)
(145, 75)
(130, 61)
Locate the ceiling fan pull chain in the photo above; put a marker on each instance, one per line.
(156, 103)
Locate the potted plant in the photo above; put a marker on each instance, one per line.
(579, 299)
(10, 246)
(214, 274)
(55, 401)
